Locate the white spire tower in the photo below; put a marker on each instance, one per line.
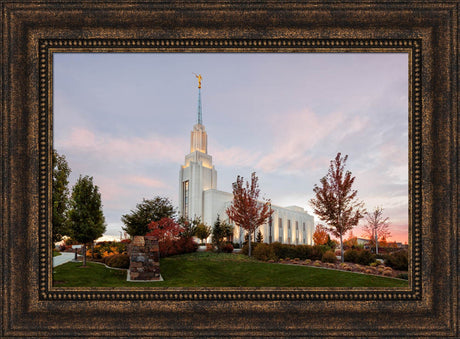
(198, 174)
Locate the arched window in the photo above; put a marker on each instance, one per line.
(289, 232)
(280, 230)
(296, 232)
(304, 234)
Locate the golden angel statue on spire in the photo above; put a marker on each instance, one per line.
(199, 79)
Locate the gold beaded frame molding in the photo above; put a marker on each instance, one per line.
(34, 30)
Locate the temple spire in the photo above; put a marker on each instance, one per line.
(200, 120)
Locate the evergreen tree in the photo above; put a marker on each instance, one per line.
(260, 237)
(86, 219)
(136, 222)
(60, 199)
(220, 231)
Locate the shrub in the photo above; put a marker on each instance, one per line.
(264, 252)
(365, 257)
(350, 255)
(318, 251)
(117, 260)
(397, 260)
(209, 247)
(245, 249)
(403, 276)
(227, 248)
(169, 247)
(329, 256)
(236, 245)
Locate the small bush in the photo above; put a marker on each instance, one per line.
(227, 248)
(117, 260)
(397, 260)
(264, 252)
(236, 245)
(329, 256)
(365, 257)
(245, 249)
(209, 247)
(350, 255)
(403, 276)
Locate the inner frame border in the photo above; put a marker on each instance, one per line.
(411, 46)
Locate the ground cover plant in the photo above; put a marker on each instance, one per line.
(208, 269)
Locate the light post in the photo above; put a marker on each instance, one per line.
(270, 225)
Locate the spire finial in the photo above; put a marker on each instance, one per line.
(199, 98)
(199, 79)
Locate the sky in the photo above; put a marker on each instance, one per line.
(125, 119)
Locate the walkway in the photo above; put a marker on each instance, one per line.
(63, 258)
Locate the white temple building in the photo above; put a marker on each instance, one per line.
(200, 198)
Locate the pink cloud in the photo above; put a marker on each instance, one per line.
(156, 147)
(297, 134)
(145, 181)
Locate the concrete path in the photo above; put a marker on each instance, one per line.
(63, 258)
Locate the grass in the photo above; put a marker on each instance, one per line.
(206, 269)
(56, 254)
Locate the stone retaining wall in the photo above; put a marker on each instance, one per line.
(144, 255)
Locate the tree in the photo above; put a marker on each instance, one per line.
(136, 222)
(260, 237)
(377, 227)
(61, 172)
(189, 227)
(202, 231)
(86, 219)
(167, 232)
(320, 237)
(335, 201)
(220, 231)
(351, 241)
(245, 210)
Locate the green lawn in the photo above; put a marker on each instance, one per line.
(56, 253)
(205, 269)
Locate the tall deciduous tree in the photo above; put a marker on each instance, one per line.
(246, 211)
(320, 237)
(377, 227)
(335, 202)
(61, 171)
(86, 219)
(136, 222)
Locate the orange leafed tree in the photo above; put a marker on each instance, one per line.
(246, 211)
(335, 202)
(351, 241)
(320, 237)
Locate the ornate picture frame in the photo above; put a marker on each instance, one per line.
(33, 31)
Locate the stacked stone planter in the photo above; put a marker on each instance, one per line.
(144, 255)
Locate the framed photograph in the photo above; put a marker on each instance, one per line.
(276, 88)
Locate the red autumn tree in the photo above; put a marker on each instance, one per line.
(335, 201)
(320, 237)
(167, 231)
(377, 227)
(246, 211)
